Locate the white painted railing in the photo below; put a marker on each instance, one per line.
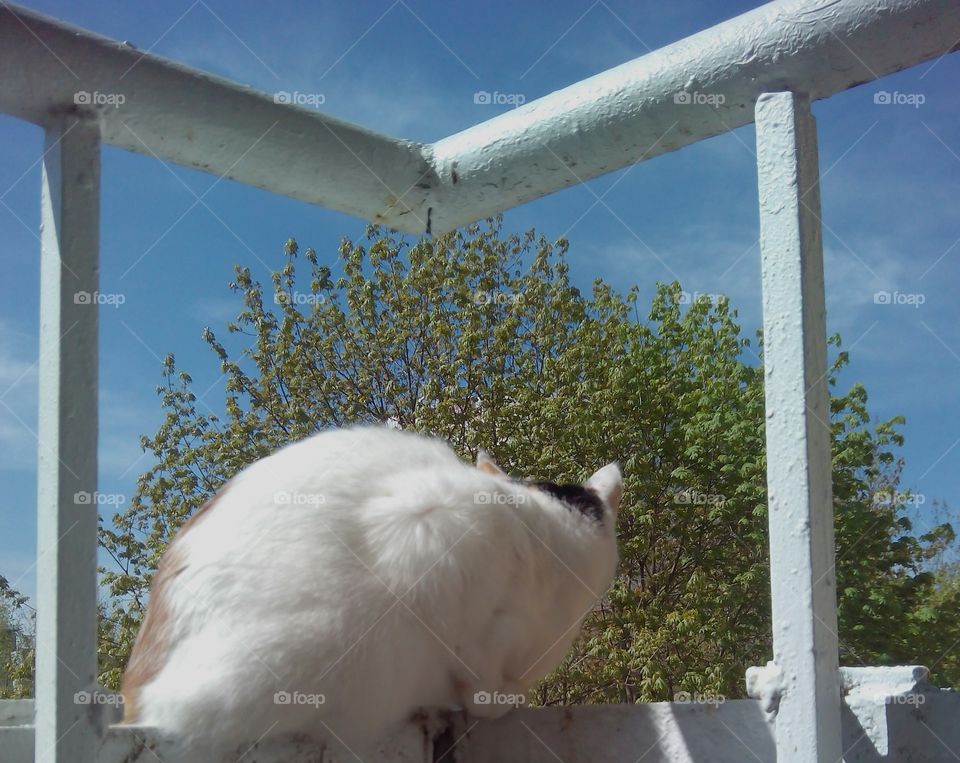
(799, 494)
(768, 64)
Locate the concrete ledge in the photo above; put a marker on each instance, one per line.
(662, 732)
(876, 729)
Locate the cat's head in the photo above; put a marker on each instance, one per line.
(570, 551)
(598, 498)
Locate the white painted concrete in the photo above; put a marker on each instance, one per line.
(67, 465)
(766, 684)
(877, 698)
(881, 729)
(799, 494)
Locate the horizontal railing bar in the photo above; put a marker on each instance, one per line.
(702, 86)
(699, 87)
(160, 108)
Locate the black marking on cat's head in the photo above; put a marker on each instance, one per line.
(577, 497)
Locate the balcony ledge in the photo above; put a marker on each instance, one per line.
(888, 714)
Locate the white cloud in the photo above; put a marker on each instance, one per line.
(354, 88)
(123, 419)
(708, 259)
(703, 259)
(216, 311)
(853, 276)
(20, 570)
(18, 399)
(121, 416)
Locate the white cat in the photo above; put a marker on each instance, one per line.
(338, 586)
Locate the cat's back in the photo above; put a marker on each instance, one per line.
(335, 469)
(363, 456)
(339, 498)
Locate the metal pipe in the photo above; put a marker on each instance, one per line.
(67, 435)
(699, 87)
(702, 86)
(159, 108)
(802, 576)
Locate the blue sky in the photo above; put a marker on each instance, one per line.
(891, 173)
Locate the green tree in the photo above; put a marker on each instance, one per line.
(17, 638)
(479, 337)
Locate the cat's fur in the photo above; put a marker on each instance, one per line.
(375, 568)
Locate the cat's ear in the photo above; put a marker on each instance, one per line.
(488, 465)
(608, 484)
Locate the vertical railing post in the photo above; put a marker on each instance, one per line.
(803, 584)
(67, 464)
